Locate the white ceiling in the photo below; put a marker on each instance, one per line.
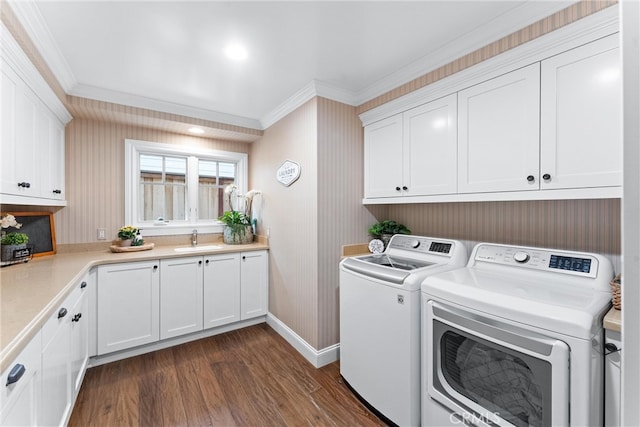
(168, 55)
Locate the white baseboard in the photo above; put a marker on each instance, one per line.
(317, 358)
(159, 345)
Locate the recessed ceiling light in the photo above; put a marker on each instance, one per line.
(196, 131)
(237, 52)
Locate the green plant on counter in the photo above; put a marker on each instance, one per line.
(14, 239)
(235, 218)
(387, 227)
(128, 232)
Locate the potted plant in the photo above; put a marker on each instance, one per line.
(127, 235)
(383, 230)
(11, 241)
(239, 227)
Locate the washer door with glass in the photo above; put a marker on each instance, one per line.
(488, 371)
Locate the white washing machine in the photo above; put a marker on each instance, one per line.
(380, 321)
(515, 338)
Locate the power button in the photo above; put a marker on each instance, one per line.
(521, 257)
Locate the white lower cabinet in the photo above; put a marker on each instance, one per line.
(254, 287)
(140, 303)
(128, 305)
(180, 296)
(20, 395)
(64, 356)
(221, 289)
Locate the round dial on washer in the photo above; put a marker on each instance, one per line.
(415, 243)
(521, 257)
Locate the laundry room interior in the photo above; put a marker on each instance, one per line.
(496, 140)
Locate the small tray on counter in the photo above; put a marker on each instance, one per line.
(145, 247)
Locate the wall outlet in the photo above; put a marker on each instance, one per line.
(101, 234)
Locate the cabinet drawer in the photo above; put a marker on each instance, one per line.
(29, 357)
(55, 320)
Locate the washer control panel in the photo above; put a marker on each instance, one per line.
(421, 244)
(539, 259)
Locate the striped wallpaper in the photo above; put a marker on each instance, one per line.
(535, 30)
(95, 174)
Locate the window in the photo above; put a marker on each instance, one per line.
(170, 189)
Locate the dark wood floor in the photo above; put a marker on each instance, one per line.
(249, 377)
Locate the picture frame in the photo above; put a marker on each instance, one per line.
(40, 228)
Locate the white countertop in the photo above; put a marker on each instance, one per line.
(31, 292)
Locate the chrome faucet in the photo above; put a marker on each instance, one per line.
(194, 238)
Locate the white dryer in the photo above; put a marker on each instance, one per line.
(515, 338)
(380, 321)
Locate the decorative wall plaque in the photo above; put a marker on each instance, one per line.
(288, 173)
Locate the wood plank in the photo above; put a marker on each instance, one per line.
(248, 377)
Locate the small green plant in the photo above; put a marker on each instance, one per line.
(387, 227)
(128, 232)
(235, 218)
(14, 239)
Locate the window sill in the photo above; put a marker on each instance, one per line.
(175, 230)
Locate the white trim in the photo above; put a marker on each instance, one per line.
(592, 27)
(131, 150)
(317, 358)
(512, 21)
(106, 95)
(12, 199)
(15, 57)
(159, 345)
(564, 194)
(31, 19)
(313, 89)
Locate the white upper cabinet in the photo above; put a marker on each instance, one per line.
(541, 121)
(383, 158)
(413, 153)
(430, 148)
(32, 123)
(581, 117)
(498, 133)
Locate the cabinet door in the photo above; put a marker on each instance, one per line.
(431, 148)
(19, 135)
(254, 276)
(79, 339)
(56, 378)
(51, 147)
(19, 401)
(180, 296)
(10, 86)
(221, 289)
(383, 158)
(581, 127)
(498, 133)
(128, 305)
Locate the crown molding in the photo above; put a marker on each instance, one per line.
(590, 28)
(311, 90)
(31, 19)
(16, 59)
(515, 20)
(115, 97)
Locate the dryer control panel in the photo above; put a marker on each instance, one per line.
(585, 265)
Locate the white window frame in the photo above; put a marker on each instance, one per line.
(132, 150)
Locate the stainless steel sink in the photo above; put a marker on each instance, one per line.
(198, 248)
